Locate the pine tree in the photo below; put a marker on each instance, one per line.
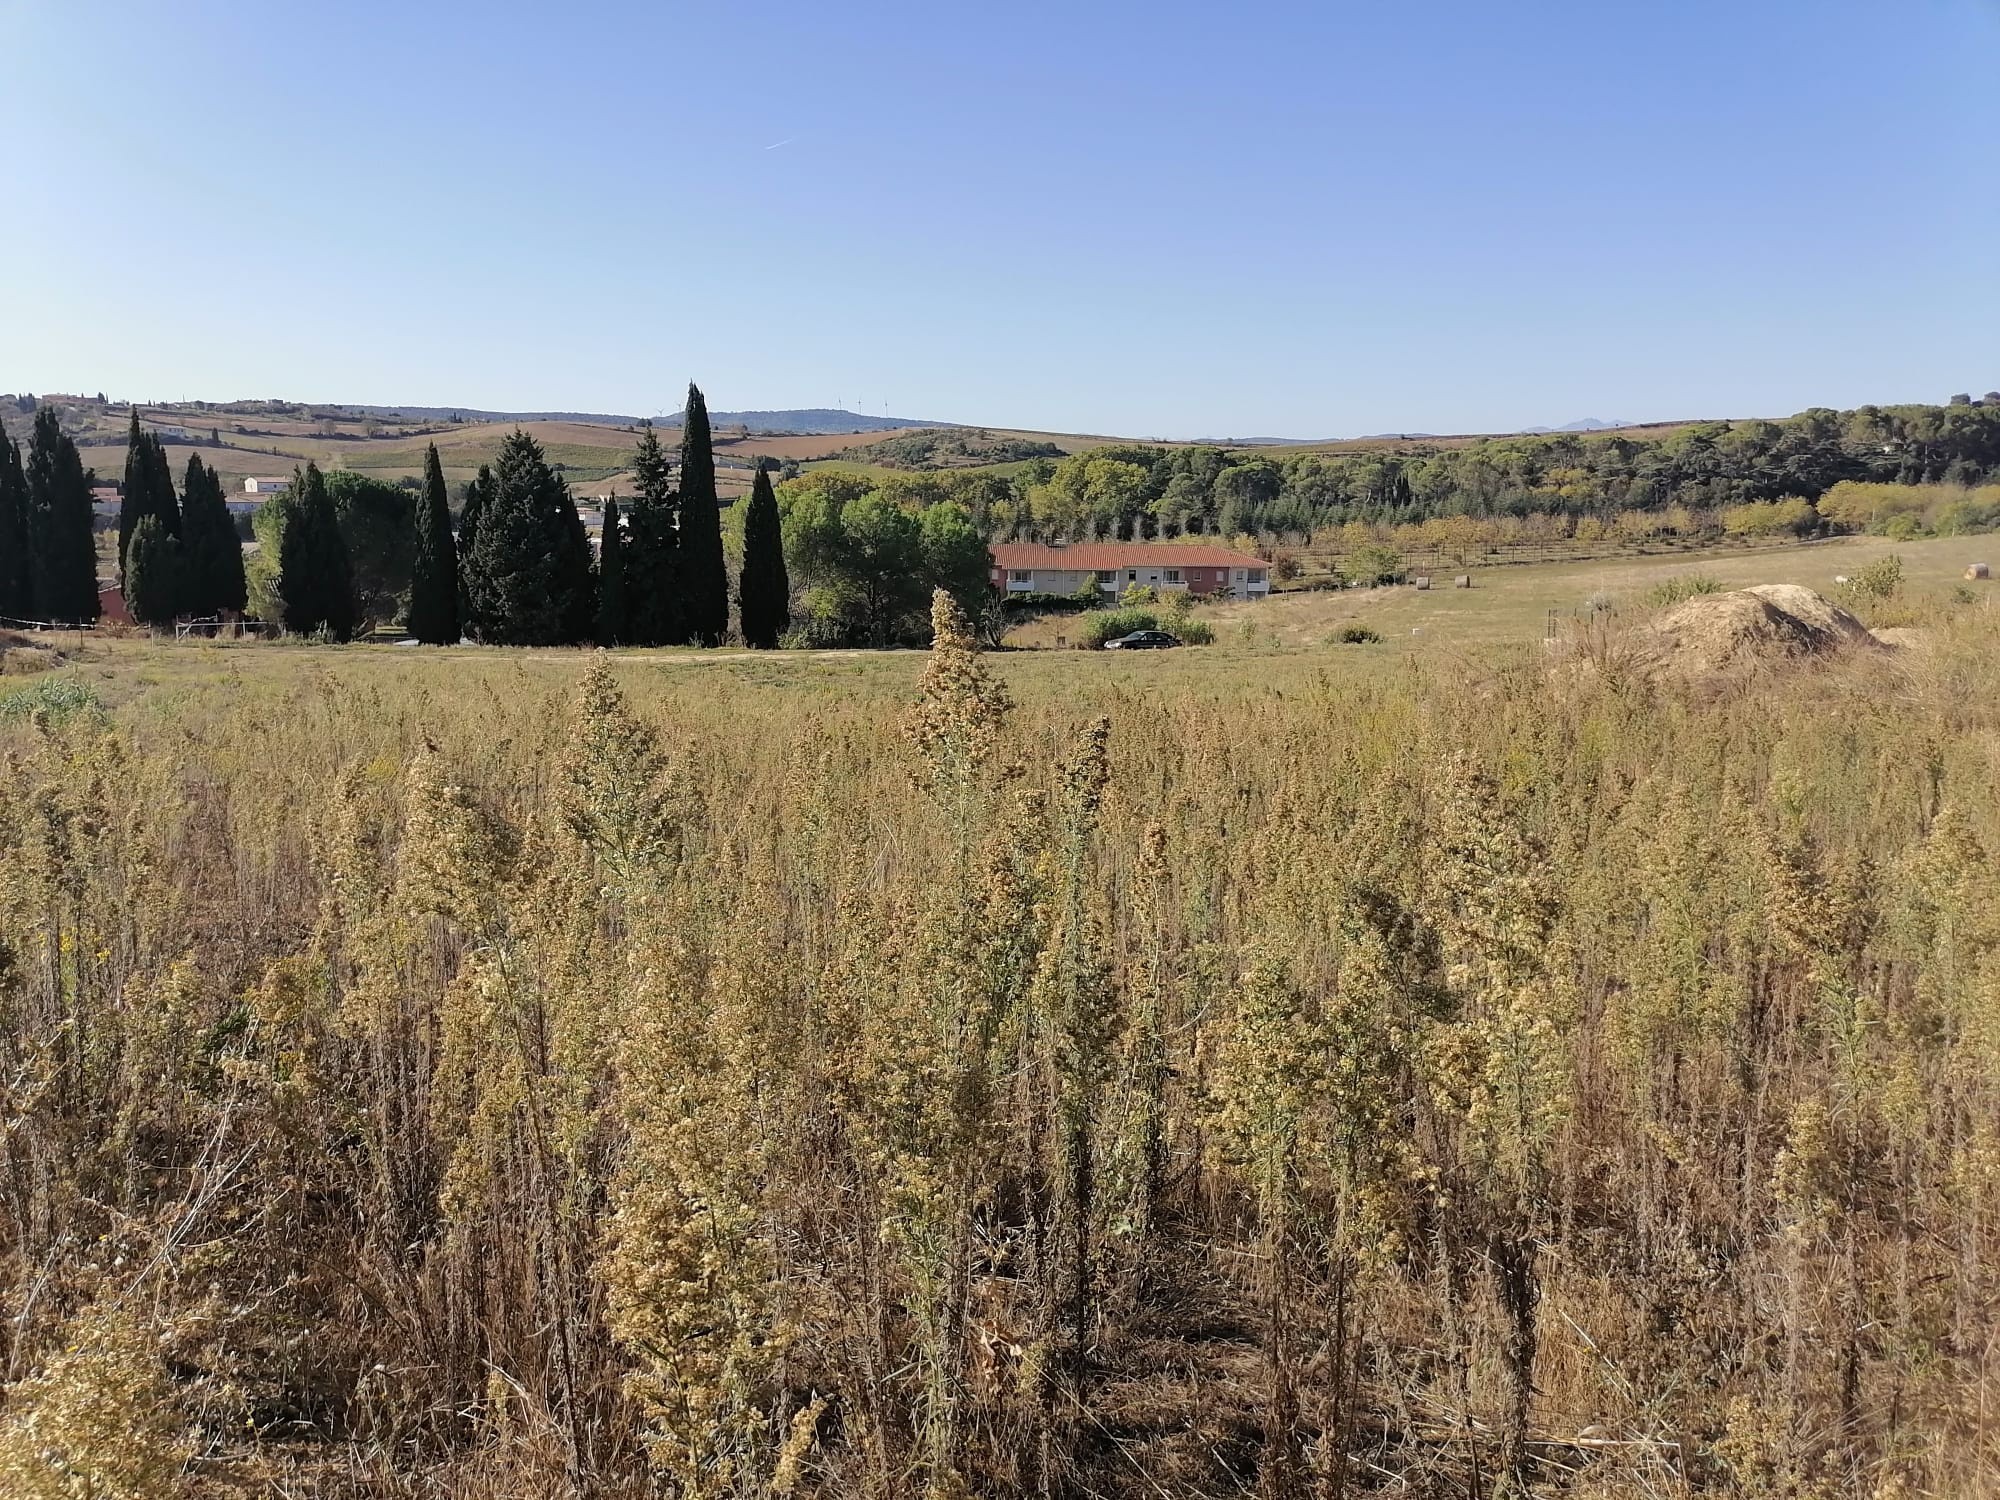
(763, 598)
(315, 575)
(650, 550)
(62, 549)
(16, 603)
(434, 574)
(611, 581)
(704, 576)
(212, 580)
(529, 569)
(156, 579)
(472, 506)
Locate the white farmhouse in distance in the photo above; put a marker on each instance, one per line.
(266, 486)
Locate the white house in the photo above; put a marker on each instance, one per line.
(266, 486)
(1164, 567)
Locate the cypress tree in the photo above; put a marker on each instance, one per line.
(471, 508)
(162, 487)
(135, 503)
(16, 602)
(155, 579)
(529, 570)
(62, 550)
(763, 591)
(315, 575)
(704, 576)
(610, 581)
(649, 559)
(212, 581)
(149, 487)
(434, 572)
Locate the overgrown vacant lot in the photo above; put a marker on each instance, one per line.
(1289, 1072)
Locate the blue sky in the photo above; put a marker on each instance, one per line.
(1147, 219)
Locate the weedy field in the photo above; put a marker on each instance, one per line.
(1273, 1070)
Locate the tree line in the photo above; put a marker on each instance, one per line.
(48, 558)
(515, 566)
(1134, 491)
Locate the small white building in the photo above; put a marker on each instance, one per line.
(266, 486)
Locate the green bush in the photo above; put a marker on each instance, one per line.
(1682, 586)
(52, 699)
(1048, 604)
(1192, 632)
(1111, 623)
(1372, 566)
(1881, 579)
(1357, 635)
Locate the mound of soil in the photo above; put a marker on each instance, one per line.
(22, 654)
(1715, 633)
(1817, 611)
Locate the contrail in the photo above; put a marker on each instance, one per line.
(785, 142)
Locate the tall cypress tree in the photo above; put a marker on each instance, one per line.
(704, 576)
(162, 487)
(315, 574)
(471, 507)
(149, 487)
(62, 551)
(156, 580)
(650, 551)
(434, 571)
(611, 581)
(763, 590)
(16, 600)
(135, 503)
(212, 580)
(529, 571)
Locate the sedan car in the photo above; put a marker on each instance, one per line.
(1142, 640)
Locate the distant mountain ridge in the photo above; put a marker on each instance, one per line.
(474, 414)
(1587, 424)
(816, 421)
(813, 421)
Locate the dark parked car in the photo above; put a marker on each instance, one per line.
(1142, 640)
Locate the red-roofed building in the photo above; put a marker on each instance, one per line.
(1164, 567)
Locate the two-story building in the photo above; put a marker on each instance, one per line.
(1164, 567)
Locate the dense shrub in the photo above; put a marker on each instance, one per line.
(1372, 566)
(1357, 635)
(1109, 624)
(1880, 580)
(1682, 586)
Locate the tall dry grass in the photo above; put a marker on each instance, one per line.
(1451, 1082)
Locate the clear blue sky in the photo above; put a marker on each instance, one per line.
(1304, 219)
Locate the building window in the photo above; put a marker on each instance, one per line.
(1131, 575)
(1021, 575)
(1107, 575)
(1173, 575)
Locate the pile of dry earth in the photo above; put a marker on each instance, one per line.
(22, 654)
(1717, 633)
